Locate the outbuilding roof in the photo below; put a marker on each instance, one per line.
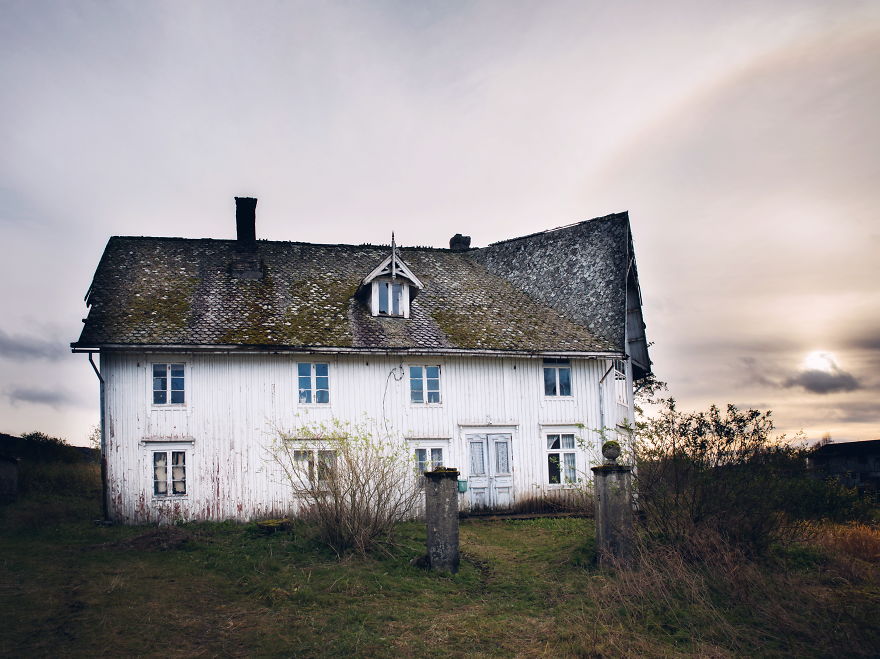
(561, 291)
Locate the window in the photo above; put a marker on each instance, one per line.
(391, 302)
(557, 377)
(168, 384)
(424, 384)
(428, 459)
(314, 383)
(561, 459)
(306, 462)
(169, 473)
(620, 386)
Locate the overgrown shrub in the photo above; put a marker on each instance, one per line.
(725, 472)
(352, 483)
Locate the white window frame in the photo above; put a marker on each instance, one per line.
(403, 302)
(556, 365)
(429, 446)
(621, 382)
(313, 384)
(151, 450)
(424, 379)
(562, 451)
(313, 456)
(168, 390)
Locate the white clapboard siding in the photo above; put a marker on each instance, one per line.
(236, 403)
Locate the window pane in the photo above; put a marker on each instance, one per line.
(383, 297)
(177, 397)
(570, 474)
(160, 473)
(549, 381)
(436, 457)
(565, 382)
(322, 382)
(432, 372)
(433, 396)
(396, 293)
(322, 396)
(159, 398)
(177, 370)
(478, 459)
(416, 385)
(422, 459)
(160, 383)
(553, 468)
(304, 370)
(326, 464)
(177, 384)
(159, 370)
(178, 472)
(567, 441)
(502, 458)
(552, 441)
(322, 370)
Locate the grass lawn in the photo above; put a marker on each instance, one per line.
(71, 588)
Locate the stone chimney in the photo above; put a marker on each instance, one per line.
(246, 221)
(459, 243)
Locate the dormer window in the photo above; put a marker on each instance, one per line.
(391, 298)
(390, 288)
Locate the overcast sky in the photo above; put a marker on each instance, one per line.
(741, 137)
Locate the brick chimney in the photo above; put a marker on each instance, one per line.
(246, 221)
(246, 262)
(459, 243)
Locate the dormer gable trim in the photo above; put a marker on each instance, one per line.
(399, 268)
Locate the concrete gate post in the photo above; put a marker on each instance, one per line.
(613, 507)
(441, 511)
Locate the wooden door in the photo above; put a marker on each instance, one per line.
(490, 484)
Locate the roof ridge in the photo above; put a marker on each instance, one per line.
(291, 242)
(610, 216)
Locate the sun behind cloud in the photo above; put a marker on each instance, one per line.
(820, 360)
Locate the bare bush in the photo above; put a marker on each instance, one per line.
(354, 484)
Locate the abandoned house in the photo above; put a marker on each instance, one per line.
(854, 464)
(511, 362)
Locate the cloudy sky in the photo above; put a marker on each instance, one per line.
(742, 137)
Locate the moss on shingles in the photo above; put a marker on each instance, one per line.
(466, 329)
(162, 308)
(318, 312)
(308, 312)
(255, 323)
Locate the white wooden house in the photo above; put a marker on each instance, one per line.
(505, 361)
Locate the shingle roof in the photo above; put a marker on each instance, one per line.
(175, 291)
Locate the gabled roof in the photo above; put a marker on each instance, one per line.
(392, 265)
(175, 292)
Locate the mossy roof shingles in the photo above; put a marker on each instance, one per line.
(174, 291)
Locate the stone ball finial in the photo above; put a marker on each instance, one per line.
(611, 451)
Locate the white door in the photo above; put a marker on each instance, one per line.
(490, 484)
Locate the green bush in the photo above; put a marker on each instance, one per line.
(725, 472)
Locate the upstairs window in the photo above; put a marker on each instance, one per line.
(168, 384)
(314, 383)
(424, 384)
(391, 298)
(561, 459)
(620, 384)
(390, 287)
(557, 377)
